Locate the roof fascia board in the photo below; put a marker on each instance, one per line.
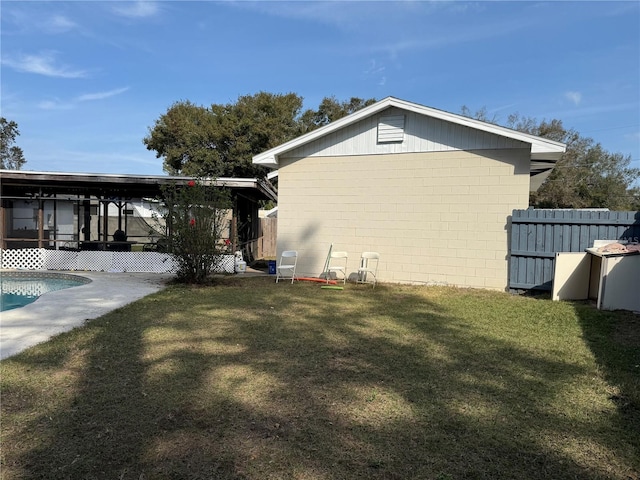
(110, 179)
(42, 175)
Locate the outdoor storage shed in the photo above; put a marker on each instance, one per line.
(430, 191)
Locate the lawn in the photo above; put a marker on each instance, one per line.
(249, 379)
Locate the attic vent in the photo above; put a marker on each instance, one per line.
(391, 129)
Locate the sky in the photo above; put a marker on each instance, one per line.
(86, 80)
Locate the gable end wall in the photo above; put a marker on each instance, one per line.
(422, 134)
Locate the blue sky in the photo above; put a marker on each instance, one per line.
(85, 80)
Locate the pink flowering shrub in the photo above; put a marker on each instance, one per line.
(196, 221)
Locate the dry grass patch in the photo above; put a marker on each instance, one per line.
(252, 380)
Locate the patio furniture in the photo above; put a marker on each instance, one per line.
(368, 271)
(287, 266)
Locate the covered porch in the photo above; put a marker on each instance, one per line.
(83, 212)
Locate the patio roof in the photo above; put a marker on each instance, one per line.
(20, 183)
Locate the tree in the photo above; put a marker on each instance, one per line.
(11, 157)
(221, 140)
(586, 176)
(195, 221)
(330, 110)
(482, 114)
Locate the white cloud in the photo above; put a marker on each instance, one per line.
(574, 97)
(42, 64)
(97, 161)
(376, 71)
(101, 95)
(500, 108)
(633, 136)
(354, 15)
(374, 68)
(137, 9)
(20, 18)
(59, 24)
(57, 104)
(593, 110)
(54, 105)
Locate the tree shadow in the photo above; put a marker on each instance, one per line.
(304, 385)
(614, 339)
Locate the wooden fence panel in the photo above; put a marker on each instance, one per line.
(537, 234)
(268, 236)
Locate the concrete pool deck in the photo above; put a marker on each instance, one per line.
(63, 310)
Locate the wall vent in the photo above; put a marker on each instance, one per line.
(391, 129)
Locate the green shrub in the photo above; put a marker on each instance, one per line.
(195, 220)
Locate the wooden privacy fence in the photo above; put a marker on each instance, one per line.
(536, 236)
(266, 244)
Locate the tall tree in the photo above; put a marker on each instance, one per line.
(482, 114)
(330, 110)
(221, 140)
(11, 156)
(587, 175)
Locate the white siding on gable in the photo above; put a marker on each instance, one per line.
(421, 134)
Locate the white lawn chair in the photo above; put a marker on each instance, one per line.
(337, 264)
(368, 271)
(286, 268)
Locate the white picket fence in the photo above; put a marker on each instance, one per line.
(147, 262)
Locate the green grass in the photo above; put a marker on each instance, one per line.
(252, 380)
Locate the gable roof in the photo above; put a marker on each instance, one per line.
(544, 153)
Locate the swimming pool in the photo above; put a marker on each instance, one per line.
(18, 289)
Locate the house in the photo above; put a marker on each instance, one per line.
(429, 190)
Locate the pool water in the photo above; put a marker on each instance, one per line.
(18, 289)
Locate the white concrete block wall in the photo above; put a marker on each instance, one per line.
(438, 217)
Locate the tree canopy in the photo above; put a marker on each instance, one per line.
(221, 140)
(330, 110)
(587, 175)
(11, 156)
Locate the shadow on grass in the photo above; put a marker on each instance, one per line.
(614, 340)
(254, 380)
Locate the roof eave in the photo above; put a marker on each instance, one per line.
(109, 180)
(547, 151)
(266, 161)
